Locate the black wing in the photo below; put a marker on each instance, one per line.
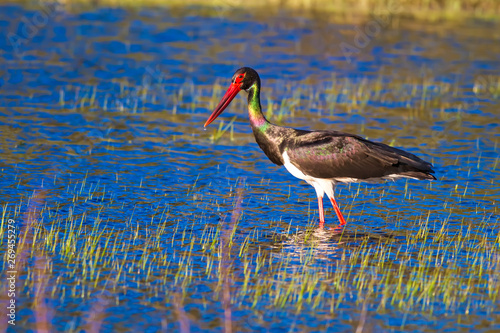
(330, 154)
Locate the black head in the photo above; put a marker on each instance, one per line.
(244, 79)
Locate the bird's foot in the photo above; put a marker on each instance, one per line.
(339, 228)
(336, 230)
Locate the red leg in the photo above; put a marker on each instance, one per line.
(321, 212)
(337, 210)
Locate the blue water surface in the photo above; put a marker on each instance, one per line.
(102, 113)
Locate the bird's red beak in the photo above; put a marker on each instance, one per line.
(231, 93)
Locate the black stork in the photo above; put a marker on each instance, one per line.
(321, 158)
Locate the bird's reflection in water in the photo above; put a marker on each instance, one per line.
(317, 241)
(324, 242)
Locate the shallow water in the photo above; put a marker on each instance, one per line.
(103, 151)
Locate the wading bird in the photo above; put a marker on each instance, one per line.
(321, 158)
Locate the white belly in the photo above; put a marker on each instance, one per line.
(294, 170)
(321, 185)
(299, 174)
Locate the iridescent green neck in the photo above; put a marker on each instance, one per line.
(257, 118)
